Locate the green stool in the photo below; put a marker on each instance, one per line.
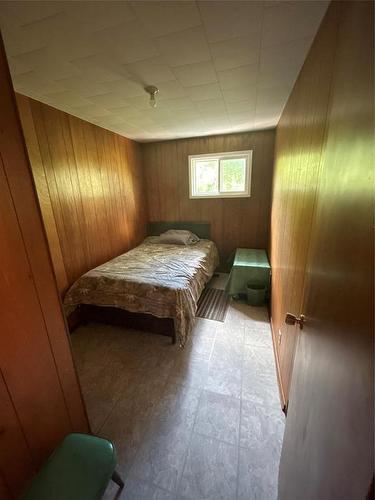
(79, 469)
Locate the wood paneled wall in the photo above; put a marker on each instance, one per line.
(299, 152)
(300, 139)
(235, 222)
(40, 398)
(328, 447)
(90, 186)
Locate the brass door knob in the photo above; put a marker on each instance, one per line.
(291, 319)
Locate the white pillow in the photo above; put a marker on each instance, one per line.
(178, 237)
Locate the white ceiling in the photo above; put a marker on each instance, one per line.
(221, 66)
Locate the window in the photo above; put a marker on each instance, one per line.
(221, 175)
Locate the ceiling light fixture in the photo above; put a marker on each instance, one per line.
(152, 90)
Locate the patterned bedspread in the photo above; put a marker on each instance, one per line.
(163, 280)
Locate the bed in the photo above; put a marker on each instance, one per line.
(162, 280)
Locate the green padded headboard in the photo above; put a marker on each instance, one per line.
(201, 229)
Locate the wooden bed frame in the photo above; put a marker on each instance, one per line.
(86, 313)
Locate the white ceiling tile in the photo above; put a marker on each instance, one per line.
(213, 107)
(72, 45)
(91, 110)
(238, 77)
(274, 97)
(239, 94)
(196, 74)
(143, 121)
(189, 129)
(168, 122)
(159, 134)
(47, 30)
(127, 88)
(236, 52)
(204, 92)
(31, 81)
(283, 75)
(178, 103)
(218, 127)
(219, 119)
(265, 121)
(34, 58)
(244, 117)
(129, 130)
(170, 90)
(163, 18)
(18, 67)
(22, 13)
(15, 40)
(159, 114)
(92, 16)
(190, 114)
(67, 98)
(125, 43)
(288, 21)
(150, 71)
(128, 112)
(112, 120)
(141, 102)
(97, 69)
(94, 67)
(231, 19)
(82, 85)
(278, 56)
(185, 47)
(246, 106)
(111, 100)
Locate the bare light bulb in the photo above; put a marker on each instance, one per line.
(152, 101)
(152, 90)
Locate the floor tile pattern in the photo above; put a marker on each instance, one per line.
(200, 423)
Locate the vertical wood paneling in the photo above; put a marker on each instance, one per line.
(300, 139)
(15, 455)
(39, 391)
(5, 493)
(328, 447)
(91, 186)
(234, 222)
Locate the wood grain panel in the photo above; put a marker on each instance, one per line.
(235, 222)
(17, 464)
(299, 141)
(328, 448)
(40, 396)
(90, 184)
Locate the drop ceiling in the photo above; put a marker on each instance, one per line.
(221, 67)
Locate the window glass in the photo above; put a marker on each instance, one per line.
(233, 175)
(206, 177)
(220, 175)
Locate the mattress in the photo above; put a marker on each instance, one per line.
(159, 279)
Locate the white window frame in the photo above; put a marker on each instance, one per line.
(248, 155)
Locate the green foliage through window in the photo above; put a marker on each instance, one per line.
(220, 175)
(232, 174)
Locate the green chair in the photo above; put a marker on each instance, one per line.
(79, 469)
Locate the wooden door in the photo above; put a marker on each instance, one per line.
(299, 142)
(40, 399)
(328, 444)
(15, 458)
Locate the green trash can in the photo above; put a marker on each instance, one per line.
(256, 294)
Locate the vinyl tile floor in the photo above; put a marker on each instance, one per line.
(198, 423)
